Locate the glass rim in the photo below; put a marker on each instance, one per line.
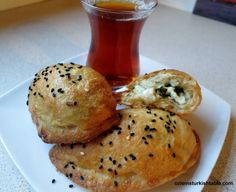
(120, 11)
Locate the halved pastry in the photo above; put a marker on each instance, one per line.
(171, 90)
(147, 149)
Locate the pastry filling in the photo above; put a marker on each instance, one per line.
(162, 86)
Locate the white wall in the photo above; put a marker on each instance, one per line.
(186, 5)
(8, 4)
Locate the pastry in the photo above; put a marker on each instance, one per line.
(172, 90)
(70, 103)
(148, 148)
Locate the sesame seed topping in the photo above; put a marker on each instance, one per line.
(115, 172)
(132, 157)
(129, 116)
(146, 128)
(129, 126)
(54, 94)
(153, 120)
(73, 167)
(172, 114)
(116, 183)
(169, 146)
(81, 178)
(79, 77)
(143, 138)
(62, 75)
(80, 67)
(133, 121)
(71, 186)
(149, 136)
(174, 122)
(101, 160)
(82, 153)
(75, 103)
(161, 118)
(128, 137)
(110, 169)
(47, 86)
(34, 93)
(101, 144)
(53, 181)
(114, 162)
(155, 114)
(119, 165)
(70, 175)
(132, 134)
(126, 159)
(119, 132)
(173, 155)
(110, 158)
(152, 129)
(101, 167)
(110, 143)
(150, 155)
(145, 142)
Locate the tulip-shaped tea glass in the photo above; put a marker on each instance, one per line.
(116, 26)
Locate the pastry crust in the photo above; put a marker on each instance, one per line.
(148, 148)
(70, 103)
(171, 90)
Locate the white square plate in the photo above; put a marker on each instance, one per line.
(30, 154)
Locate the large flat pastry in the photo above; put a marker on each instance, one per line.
(148, 148)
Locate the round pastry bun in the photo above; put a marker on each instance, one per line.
(171, 90)
(70, 103)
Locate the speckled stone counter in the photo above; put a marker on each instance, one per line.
(37, 35)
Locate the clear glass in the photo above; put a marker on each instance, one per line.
(115, 28)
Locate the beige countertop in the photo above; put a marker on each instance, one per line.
(37, 35)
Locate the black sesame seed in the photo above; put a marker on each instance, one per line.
(149, 136)
(75, 103)
(101, 167)
(52, 90)
(62, 75)
(81, 178)
(174, 122)
(155, 114)
(172, 114)
(148, 112)
(115, 172)
(174, 126)
(143, 138)
(71, 186)
(80, 67)
(60, 64)
(126, 158)
(153, 120)
(54, 94)
(173, 155)
(35, 93)
(133, 121)
(74, 82)
(146, 128)
(152, 129)
(72, 63)
(119, 165)
(70, 175)
(50, 71)
(53, 181)
(110, 142)
(79, 77)
(101, 160)
(116, 183)
(132, 134)
(117, 128)
(189, 123)
(129, 116)
(169, 146)
(132, 157)
(67, 175)
(47, 86)
(114, 162)
(59, 72)
(119, 132)
(161, 118)
(27, 102)
(110, 158)
(110, 169)
(172, 131)
(129, 127)
(150, 155)
(73, 167)
(101, 144)
(145, 142)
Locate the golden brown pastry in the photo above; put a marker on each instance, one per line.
(148, 148)
(171, 90)
(70, 103)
